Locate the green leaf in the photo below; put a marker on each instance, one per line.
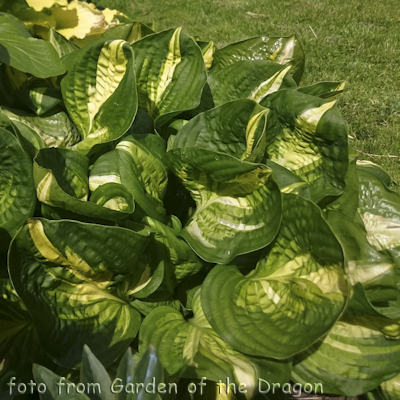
(374, 169)
(40, 99)
(21, 51)
(64, 272)
(347, 203)
(62, 45)
(142, 124)
(99, 91)
(249, 79)
(208, 50)
(114, 197)
(148, 370)
(325, 90)
(95, 377)
(61, 181)
(379, 208)
(193, 349)
(16, 5)
(151, 278)
(19, 342)
(288, 182)
(232, 196)
(163, 63)
(307, 136)
(371, 273)
(391, 388)
(283, 50)
(232, 199)
(237, 129)
(374, 270)
(293, 297)
(146, 306)
(124, 376)
(354, 358)
(16, 187)
(131, 32)
(36, 133)
(132, 166)
(176, 252)
(57, 387)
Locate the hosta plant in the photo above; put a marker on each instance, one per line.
(157, 190)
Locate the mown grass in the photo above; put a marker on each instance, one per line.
(352, 40)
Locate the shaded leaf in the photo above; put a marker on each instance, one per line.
(16, 187)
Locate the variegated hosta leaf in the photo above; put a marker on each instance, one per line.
(193, 349)
(249, 79)
(114, 197)
(135, 168)
(325, 90)
(146, 306)
(293, 297)
(62, 45)
(352, 359)
(347, 202)
(208, 49)
(232, 196)
(238, 204)
(391, 388)
(379, 208)
(371, 273)
(63, 271)
(25, 53)
(61, 179)
(163, 63)
(17, 190)
(176, 252)
(288, 182)
(283, 50)
(19, 343)
(374, 169)
(29, 91)
(41, 99)
(41, 132)
(307, 136)
(99, 91)
(237, 129)
(131, 32)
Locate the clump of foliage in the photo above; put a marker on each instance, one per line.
(135, 379)
(154, 186)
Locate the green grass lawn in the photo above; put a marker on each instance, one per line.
(352, 40)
